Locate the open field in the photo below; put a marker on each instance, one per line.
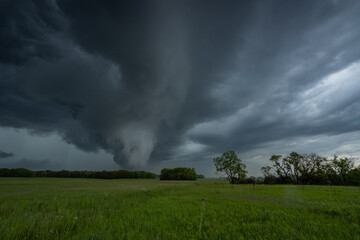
(50, 208)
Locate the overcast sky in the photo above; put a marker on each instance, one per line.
(144, 85)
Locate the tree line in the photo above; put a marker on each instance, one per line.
(292, 169)
(22, 172)
(311, 169)
(179, 173)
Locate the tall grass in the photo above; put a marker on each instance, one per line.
(153, 209)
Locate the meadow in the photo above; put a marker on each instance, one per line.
(51, 208)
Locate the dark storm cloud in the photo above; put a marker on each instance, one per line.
(5, 154)
(169, 53)
(27, 28)
(164, 79)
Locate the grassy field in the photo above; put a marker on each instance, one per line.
(153, 209)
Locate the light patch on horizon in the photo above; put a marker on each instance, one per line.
(52, 148)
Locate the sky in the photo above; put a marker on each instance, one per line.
(143, 85)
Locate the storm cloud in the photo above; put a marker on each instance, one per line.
(5, 154)
(157, 81)
(29, 164)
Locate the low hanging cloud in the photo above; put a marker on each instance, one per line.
(158, 80)
(6, 154)
(29, 164)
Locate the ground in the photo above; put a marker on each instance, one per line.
(50, 208)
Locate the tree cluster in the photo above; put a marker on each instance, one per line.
(311, 169)
(22, 172)
(180, 173)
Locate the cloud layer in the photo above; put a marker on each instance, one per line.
(150, 81)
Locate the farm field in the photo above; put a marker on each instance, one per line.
(51, 208)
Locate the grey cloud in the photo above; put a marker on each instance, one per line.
(292, 55)
(6, 154)
(29, 164)
(27, 30)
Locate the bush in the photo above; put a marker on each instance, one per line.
(200, 176)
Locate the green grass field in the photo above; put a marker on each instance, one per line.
(153, 209)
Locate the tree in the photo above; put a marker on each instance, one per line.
(266, 171)
(341, 167)
(313, 169)
(292, 163)
(281, 168)
(231, 165)
(269, 178)
(354, 176)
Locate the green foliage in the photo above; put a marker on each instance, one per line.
(354, 176)
(310, 169)
(53, 208)
(16, 172)
(179, 173)
(231, 166)
(200, 176)
(22, 172)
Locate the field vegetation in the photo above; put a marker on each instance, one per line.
(52, 208)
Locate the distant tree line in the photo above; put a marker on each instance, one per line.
(200, 176)
(22, 172)
(311, 169)
(180, 173)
